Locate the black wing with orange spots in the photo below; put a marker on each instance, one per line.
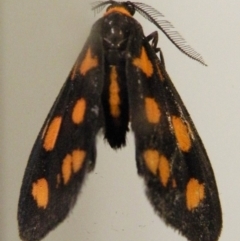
(170, 155)
(118, 78)
(65, 148)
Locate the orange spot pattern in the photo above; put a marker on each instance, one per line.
(40, 192)
(144, 63)
(114, 99)
(158, 165)
(79, 111)
(194, 193)
(52, 133)
(152, 110)
(88, 62)
(72, 163)
(118, 9)
(182, 133)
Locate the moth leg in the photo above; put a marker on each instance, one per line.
(161, 57)
(152, 38)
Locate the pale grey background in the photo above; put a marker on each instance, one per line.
(40, 40)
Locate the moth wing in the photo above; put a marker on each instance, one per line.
(170, 156)
(65, 147)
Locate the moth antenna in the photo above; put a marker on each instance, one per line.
(168, 29)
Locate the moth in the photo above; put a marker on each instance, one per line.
(119, 80)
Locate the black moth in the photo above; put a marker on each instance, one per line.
(118, 78)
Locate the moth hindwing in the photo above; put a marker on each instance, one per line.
(118, 78)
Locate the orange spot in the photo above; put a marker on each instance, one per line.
(79, 111)
(144, 63)
(182, 133)
(152, 110)
(114, 99)
(164, 170)
(151, 158)
(72, 163)
(78, 157)
(88, 62)
(118, 9)
(67, 168)
(157, 163)
(194, 193)
(52, 133)
(40, 192)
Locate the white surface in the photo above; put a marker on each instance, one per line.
(40, 41)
